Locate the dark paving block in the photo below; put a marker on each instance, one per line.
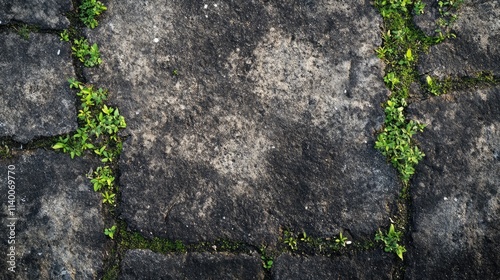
(269, 121)
(43, 13)
(35, 99)
(144, 264)
(363, 265)
(456, 198)
(476, 47)
(58, 233)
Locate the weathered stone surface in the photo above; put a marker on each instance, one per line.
(366, 265)
(268, 123)
(427, 22)
(35, 97)
(59, 227)
(456, 198)
(476, 47)
(43, 13)
(144, 264)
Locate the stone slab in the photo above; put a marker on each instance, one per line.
(365, 265)
(58, 233)
(476, 47)
(269, 121)
(46, 14)
(456, 189)
(144, 264)
(35, 99)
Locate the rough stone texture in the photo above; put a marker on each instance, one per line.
(269, 123)
(456, 198)
(43, 13)
(427, 21)
(476, 47)
(144, 264)
(35, 99)
(59, 227)
(366, 265)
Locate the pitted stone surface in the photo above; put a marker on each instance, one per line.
(456, 190)
(270, 121)
(366, 265)
(59, 226)
(144, 264)
(476, 47)
(47, 14)
(35, 97)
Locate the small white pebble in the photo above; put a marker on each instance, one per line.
(455, 199)
(206, 6)
(214, 247)
(306, 207)
(156, 40)
(348, 242)
(58, 52)
(215, 5)
(445, 198)
(223, 218)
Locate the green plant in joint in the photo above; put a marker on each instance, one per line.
(342, 240)
(89, 55)
(89, 10)
(110, 231)
(391, 240)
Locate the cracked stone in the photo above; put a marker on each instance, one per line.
(35, 100)
(59, 226)
(476, 47)
(47, 14)
(259, 123)
(144, 264)
(456, 198)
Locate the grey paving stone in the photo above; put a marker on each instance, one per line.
(456, 198)
(366, 265)
(58, 233)
(43, 13)
(476, 47)
(144, 264)
(35, 98)
(270, 121)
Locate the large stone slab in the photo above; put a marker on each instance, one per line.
(35, 97)
(269, 121)
(58, 225)
(43, 13)
(365, 265)
(144, 264)
(476, 47)
(456, 189)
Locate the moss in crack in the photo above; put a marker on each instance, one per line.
(436, 86)
(304, 244)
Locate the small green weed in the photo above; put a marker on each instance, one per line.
(342, 240)
(391, 240)
(110, 231)
(102, 178)
(64, 35)
(267, 260)
(437, 87)
(89, 10)
(89, 55)
(292, 242)
(24, 31)
(395, 140)
(99, 125)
